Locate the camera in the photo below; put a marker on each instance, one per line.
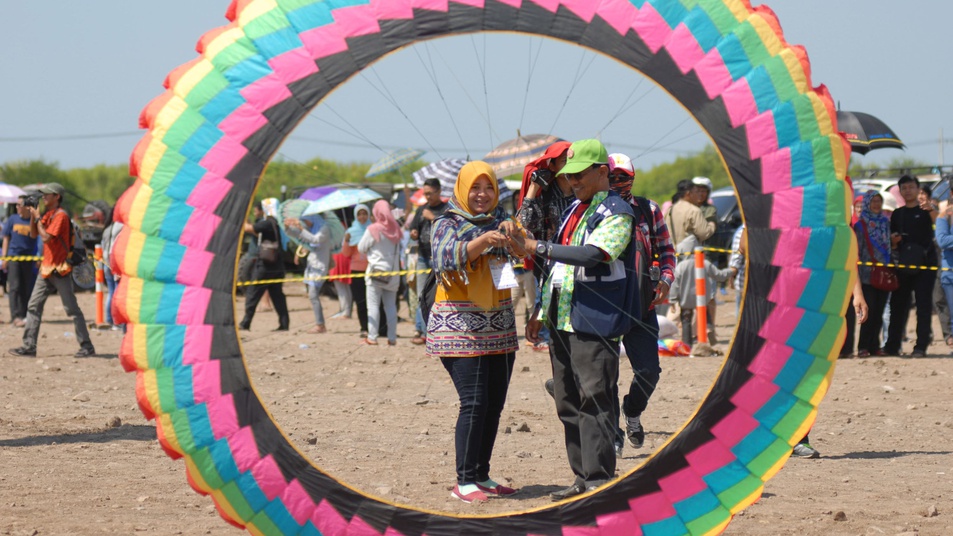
(31, 200)
(542, 177)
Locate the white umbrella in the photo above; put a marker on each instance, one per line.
(346, 197)
(10, 193)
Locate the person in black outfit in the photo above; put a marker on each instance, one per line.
(265, 228)
(420, 228)
(911, 227)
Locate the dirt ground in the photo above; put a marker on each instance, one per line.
(79, 458)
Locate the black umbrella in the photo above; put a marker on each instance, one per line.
(866, 133)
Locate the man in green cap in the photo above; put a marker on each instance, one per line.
(589, 300)
(56, 231)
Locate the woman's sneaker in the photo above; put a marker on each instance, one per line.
(474, 496)
(498, 491)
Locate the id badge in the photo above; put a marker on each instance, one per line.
(558, 271)
(503, 275)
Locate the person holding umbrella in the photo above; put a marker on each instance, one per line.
(318, 239)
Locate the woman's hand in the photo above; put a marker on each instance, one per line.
(494, 239)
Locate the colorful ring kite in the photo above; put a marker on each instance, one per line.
(224, 115)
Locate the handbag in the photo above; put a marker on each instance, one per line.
(881, 277)
(268, 249)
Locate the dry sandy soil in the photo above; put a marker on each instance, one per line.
(79, 458)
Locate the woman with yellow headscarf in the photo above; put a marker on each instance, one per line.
(471, 327)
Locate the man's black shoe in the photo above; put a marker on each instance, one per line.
(634, 432)
(23, 352)
(85, 352)
(550, 387)
(281, 328)
(571, 491)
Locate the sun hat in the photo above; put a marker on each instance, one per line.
(583, 154)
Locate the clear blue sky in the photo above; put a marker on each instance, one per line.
(84, 70)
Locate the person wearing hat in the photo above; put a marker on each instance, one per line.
(56, 231)
(641, 343)
(686, 216)
(544, 195)
(590, 299)
(701, 189)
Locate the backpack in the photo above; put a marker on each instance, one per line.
(643, 258)
(76, 249)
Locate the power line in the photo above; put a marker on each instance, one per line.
(307, 139)
(72, 137)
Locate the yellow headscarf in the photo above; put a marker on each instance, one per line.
(474, 282)
(468, 175)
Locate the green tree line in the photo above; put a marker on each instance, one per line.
(109, 182)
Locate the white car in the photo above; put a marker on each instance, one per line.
(888, 188)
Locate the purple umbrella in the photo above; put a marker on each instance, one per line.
(313, 194)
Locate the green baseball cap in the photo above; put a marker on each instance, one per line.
(52, 188)
(584, 153)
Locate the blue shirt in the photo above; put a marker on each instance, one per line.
(18, 230)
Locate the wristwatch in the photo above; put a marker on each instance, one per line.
(542, 248)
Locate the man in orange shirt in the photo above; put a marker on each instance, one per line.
(55, 230)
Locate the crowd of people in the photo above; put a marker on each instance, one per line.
(51, 235)
(905, 239)
(604, 274)
(597, 265)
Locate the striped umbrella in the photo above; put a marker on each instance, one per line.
(394, 160)
(445, 171)
(511, 156)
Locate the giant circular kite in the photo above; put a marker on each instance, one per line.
(223, 117)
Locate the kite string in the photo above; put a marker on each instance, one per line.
(466, 92)
(431, 73)
(481, 62)
(531, 68)
(385, 92)
(580, 73)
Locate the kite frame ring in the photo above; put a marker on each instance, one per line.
(223, 117)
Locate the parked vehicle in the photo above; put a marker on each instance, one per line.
(729, 219)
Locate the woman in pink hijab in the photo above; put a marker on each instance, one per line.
(381, 245)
